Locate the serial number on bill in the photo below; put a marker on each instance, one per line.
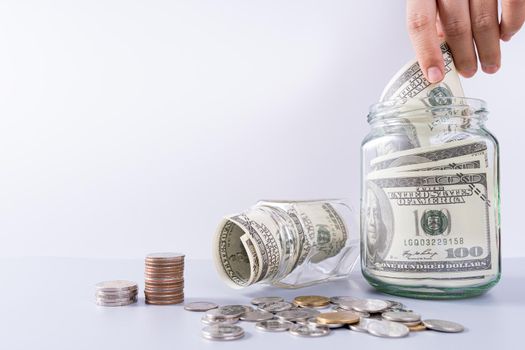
(424, 242)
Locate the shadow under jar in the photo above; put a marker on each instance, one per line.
(430, 225)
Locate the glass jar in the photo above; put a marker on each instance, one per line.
(430, 225)
(287, 244)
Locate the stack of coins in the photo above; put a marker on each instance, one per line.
(164, 278)
(116, 293)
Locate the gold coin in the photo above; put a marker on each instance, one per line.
(311, 301)
(417, 328)
(338, 317)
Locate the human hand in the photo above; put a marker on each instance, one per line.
(463, 24)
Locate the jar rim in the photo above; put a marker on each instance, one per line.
(400, 108)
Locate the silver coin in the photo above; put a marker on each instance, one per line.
(310, 330)
(110, 296)
(233, 310)
(116, 301)
(209, 321)
(257, 316)
(361, 326)
(200, 306)
(443, 326)
(119, 303)
(361, 314)
(340, 299)
(222, 332)
(217, 314)
(274, 325)
(312, 321)
(294, 315)
(376, 317)
(276, 306)
(266, 300)
(116, 286)
(162, 256)
(115, 298)
(400, 316)
(399, 309)
(395, 304)
(310, 311)
(367, 305)
(411, 324)
(387, 329)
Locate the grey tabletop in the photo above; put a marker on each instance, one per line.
(48, 303)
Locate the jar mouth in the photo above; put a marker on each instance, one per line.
(466, 107)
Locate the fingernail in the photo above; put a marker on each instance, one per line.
(434, 74)
(490, 68)
(468, 72)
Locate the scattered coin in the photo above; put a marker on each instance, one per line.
(417, 328)
(339, 299)
(266, 300)
(312, 321)
(443, 326)
(361, 314)
(341, 317)
(233, 310)
(274, 325)
(209, 321)
(294, 315)
(395, 304)
(310, 330)
(361, 326)
(222, 332)
(276, 306)
(411, 324)
(257, 316)
(311, 301)
(400, 316)
(367, 305)
(200, 306)
(216, 314)
(387, 329)
(311, 312)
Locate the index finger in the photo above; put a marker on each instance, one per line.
(512, 18)
(421, 23)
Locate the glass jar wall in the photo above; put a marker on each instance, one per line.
(288, 244)
(430, 199)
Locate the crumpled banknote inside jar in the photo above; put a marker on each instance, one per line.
(430, 198)
(288, 244)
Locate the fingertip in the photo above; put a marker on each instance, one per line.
(468, 72)
(506, 37)
(434, 74)
(490, 68)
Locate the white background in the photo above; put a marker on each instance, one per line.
(133, 126)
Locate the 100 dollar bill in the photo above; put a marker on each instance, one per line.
(427, 223)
